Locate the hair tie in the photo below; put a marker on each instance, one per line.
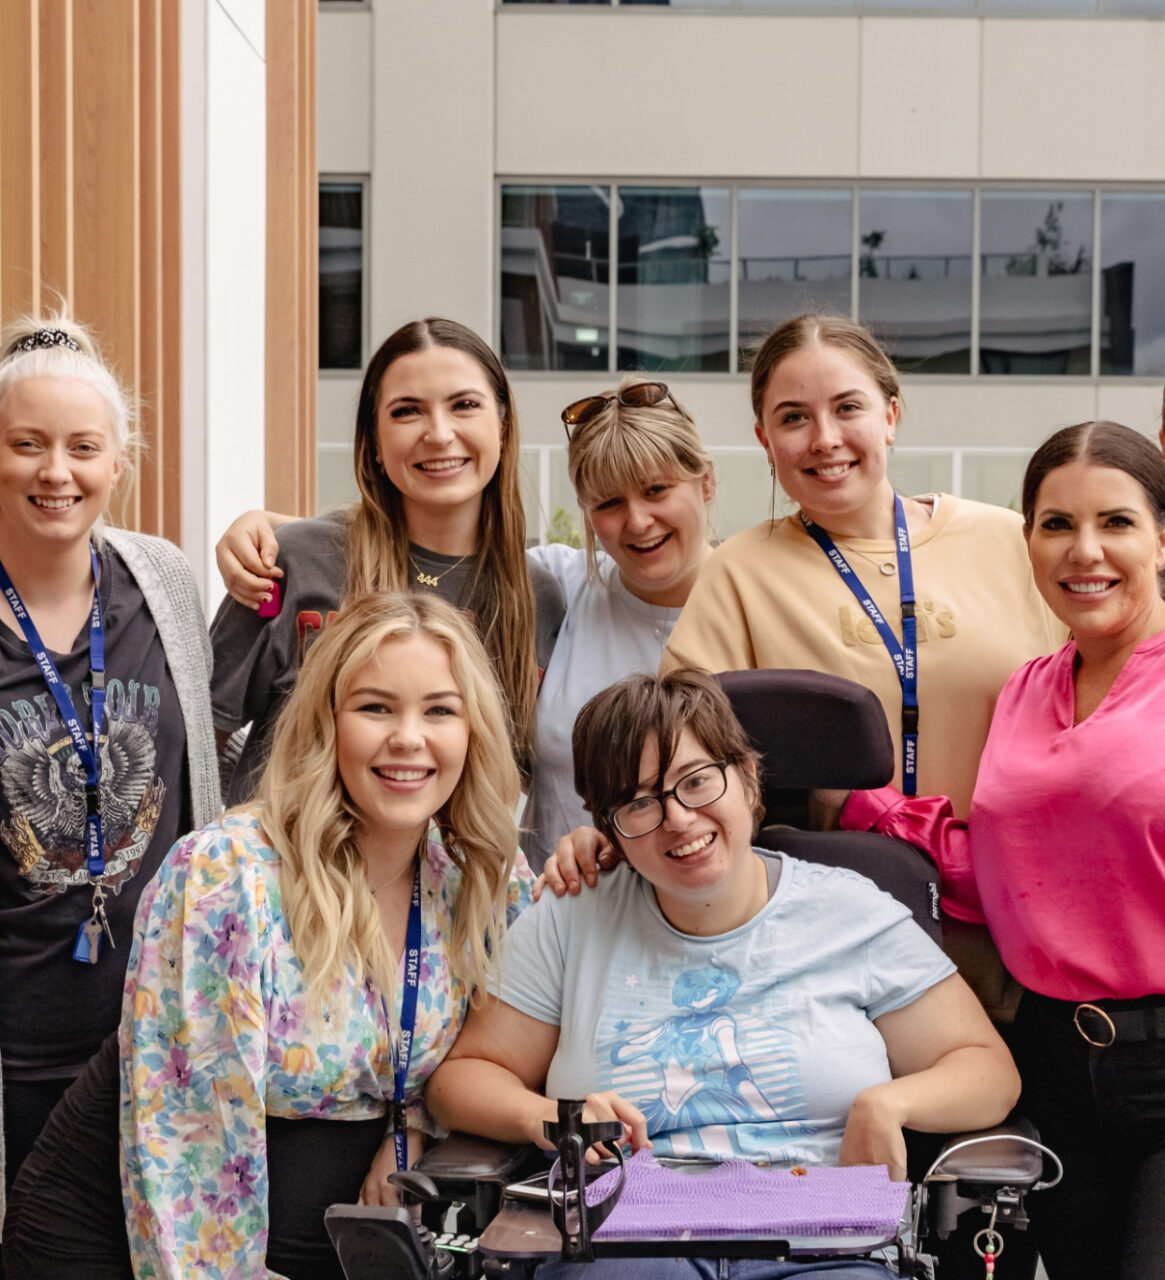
(45, 338)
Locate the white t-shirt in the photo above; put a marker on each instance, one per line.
(749, 1044)
(607, 634)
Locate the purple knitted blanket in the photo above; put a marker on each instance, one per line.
(735, 1198)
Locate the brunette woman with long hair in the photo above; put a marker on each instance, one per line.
(436, 461)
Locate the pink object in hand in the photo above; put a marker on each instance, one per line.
(270, 608)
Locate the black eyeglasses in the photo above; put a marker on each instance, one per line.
(639, 395)
(641, 816)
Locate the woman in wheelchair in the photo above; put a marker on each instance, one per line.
(714, 1000)
(300, 967)
(1063, 854)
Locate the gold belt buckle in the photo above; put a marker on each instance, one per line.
(1101, 1013)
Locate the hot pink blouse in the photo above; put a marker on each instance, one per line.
(1063, 853)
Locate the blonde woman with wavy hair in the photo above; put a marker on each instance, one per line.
(310, 959)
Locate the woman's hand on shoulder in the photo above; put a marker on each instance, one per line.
(246, 556)
(873, 1133)
(577, 857)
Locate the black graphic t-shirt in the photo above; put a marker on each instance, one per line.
(55, 1011)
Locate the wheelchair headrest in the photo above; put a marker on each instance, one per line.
(812, 730)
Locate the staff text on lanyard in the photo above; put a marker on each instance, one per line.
(904, 652)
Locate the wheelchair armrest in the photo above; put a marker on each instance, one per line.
(475, 1171)
(1010, 1154)
(463, 1158)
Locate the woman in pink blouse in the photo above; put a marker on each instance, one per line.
(1063, 854)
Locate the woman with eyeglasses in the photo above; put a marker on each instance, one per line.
(716, 1000)
(644, 482)
(436, 458)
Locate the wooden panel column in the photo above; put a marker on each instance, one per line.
(89, 202)
(292, 256)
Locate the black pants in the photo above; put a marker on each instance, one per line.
(1103, 1112)
(65, 1214)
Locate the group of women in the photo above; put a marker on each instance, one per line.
(310, 956)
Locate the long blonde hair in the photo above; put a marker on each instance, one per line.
(313, 825)
(501, 598)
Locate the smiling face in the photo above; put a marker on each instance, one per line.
(657, 533)
(58, 463)
(1096, 551)
(696, 859)
(439, 434)
(825, 426)
(402, 735)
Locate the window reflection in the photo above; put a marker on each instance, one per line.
(674, 261)
(555, 276)
(795, 255)
(1132, 286)
(1036, 294)
(341, 283)
(914, 277)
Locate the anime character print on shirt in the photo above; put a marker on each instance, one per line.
(685, 1068)
(43, 786)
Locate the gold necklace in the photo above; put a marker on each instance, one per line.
(431, 580)
(393, 878)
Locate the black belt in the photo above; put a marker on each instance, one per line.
(1103, 1022)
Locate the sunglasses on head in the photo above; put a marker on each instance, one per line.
(639, 395)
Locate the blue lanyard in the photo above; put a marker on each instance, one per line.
(904, 653)
(402, 1051)
(90, 756)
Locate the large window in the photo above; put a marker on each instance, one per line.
(954, 280)
(1035, 313)
(341, 285)
(914, 276)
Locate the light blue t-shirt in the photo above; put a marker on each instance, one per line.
(607, 634)
(749, 1044)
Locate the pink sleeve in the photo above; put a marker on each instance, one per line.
(928, 823)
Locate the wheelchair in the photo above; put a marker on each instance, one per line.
(812, 730)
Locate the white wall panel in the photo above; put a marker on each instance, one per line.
(671, 95)
(920, 98)
(1073, 100)
(224, 252)
(432, 197)
(344, 50)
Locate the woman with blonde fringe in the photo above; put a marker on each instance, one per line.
(273, 988)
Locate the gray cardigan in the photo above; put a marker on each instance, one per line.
(167, 583)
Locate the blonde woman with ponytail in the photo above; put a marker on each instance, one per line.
(269, 983)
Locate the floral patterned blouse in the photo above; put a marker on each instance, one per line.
(215, 1035)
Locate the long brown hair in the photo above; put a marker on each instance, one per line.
(501, 598)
